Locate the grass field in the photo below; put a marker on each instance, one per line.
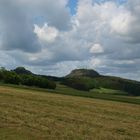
(105, 94)
(39, 115)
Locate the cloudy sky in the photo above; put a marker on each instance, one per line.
(53, 37)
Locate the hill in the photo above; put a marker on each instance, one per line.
(83, 79)
(83, 72)
(22, 70)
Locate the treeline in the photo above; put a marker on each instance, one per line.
(83, 83)
(129, 86)
(133, 88)
(11, 77)
(86, 84)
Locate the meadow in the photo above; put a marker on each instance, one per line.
(31, 114)
(102, 93)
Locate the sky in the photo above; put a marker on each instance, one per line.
(54, 37)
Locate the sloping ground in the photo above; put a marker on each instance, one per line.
(33, 115)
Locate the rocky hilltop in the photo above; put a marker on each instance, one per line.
(83, 72)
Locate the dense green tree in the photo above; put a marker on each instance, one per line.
(11, 77)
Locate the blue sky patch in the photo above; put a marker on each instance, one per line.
(72, 4)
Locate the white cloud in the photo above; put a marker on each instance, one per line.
(121, 23)
(46, 33)
(96, 48)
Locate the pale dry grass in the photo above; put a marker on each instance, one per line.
(34, 115)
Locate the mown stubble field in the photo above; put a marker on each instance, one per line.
(33, 115)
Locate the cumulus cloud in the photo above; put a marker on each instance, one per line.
(17, 17)
(121, 23)
(46, 33)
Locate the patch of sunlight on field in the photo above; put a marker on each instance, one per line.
(109, 91)
(35, 115)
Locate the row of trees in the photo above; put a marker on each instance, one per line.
(12, 77)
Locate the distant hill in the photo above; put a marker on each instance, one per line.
(83, 72)
(84, 79)
(22, 70)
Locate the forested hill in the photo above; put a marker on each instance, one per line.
(84, 79)
(21, 76)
